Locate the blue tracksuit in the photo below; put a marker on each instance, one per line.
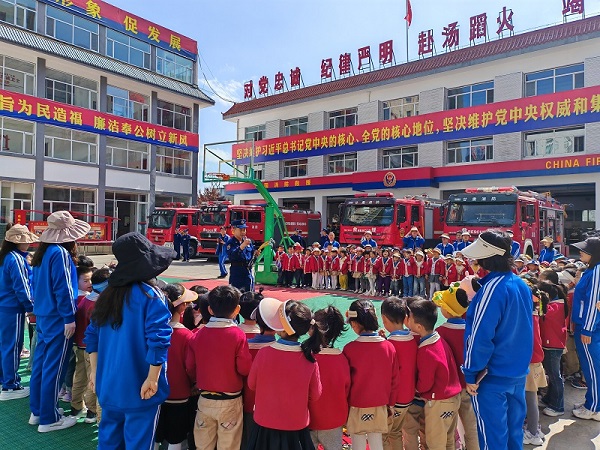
(413, 242)
(222, 254)
(547, 254)
(447, 249)
(124, 358)
(15, 301)
(240, 276)
(462, 245)
(515, 250)
(364, 242)
(55, 287)
(499, 338)
(586, 318)
(177, 244)
(185, 246)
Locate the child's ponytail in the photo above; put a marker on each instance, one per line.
(301, 320)
(331, 323)
(313, 344)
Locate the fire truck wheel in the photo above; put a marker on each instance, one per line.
(193, 249)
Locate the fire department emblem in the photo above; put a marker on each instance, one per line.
(389, 180)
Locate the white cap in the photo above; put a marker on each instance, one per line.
(481, 249)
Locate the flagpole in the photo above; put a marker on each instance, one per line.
(406, 24)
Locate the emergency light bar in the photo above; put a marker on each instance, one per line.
(491, 189)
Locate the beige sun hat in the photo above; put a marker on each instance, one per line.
(20, 234)
(63, 227)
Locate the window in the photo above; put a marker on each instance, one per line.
(295, 126)
(76, 200)
(17, 76)
(343, 118)
(174, 66)
(397, 158)
(259, 171)
(255, 133)
(18, 12)
(62, 143)
(174, 116)
(17, 136)
(15, 196)
(72, 29)
(176, 162)
(470, 151)
(124, 153)
(555, 142)
(124, 103)
(473, 95)
(401, 107)
(71, 89)
(126, 49)
(554, 80)
(343, 163)
(295, 168)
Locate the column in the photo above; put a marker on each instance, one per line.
(321, 206)
(38, 190)
(152, 162)
(508, 146)
(101, 200)
(431, 154)
(597, 203)
(367, 160)
(195, 156)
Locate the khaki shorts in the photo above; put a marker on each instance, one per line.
(367, 420)
(536, 378)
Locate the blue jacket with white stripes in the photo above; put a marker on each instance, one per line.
(55, 285)
(587, 293)
(15, 284)
(499, 330)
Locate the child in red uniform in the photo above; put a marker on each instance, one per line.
(299, 265)
(372, 271)
(248, 303)
(285, 378)
(450, 275)
(306, 267)
(278, 263)
(393, 313)
(344, 269)
(397, 268)
(453, 307)
(176, 413)
(335, 268)
(374, 371)
(81, 390)
(437, 268)
(328, 414)
(437, 377)
(288, 266)
(420, 271)
(358, 268)
(315, 265)
(218, 359)
(384, 270)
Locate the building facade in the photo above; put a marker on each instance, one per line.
(99, 112)
(523, 110)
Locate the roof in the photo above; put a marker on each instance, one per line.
(495, 49)
(48, 45)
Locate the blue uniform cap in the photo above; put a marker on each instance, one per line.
(239, 223)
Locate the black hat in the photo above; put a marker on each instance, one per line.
(591, 246)
(139, 259)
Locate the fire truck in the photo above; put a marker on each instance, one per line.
(529, 215)
(390, 218)
(213, 216)
(163, 221)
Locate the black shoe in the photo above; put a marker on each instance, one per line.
(75, 412)
(90, 417)
(222, 276)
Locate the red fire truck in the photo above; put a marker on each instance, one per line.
(530, 215)
(390, 218)
(162, 223)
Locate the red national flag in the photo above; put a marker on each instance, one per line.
(408, 16)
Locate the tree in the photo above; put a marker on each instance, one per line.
(210, 194)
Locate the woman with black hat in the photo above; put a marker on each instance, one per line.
(586, 318)
(127, 340)
(15, 301)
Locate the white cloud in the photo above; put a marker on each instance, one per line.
(227, 89)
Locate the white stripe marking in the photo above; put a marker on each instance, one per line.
(592, 310)
(593, 383)
(480, 421)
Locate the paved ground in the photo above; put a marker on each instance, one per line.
(562, 433)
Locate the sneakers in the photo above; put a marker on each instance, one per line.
(78, 413)
(67, 397)
(12, 394)
(90, 417)
(62, 424)
(552, 412)
(221, 276)
(578, 383)
(584, 413)
(35, 420)
(532, 439)
(62, 392)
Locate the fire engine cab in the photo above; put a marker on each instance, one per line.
(163, 221)
(529, 215)
(389, 218)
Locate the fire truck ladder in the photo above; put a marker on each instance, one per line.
(265, 269)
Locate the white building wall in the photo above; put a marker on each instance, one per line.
(508, 87)
(592, 71)
(274, 129)
(172, 184)
(17, 167)
(118, 179)
(55, 172)
(370, 112)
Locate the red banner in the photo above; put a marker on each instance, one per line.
(569, 108)
(27, 107)
(131, 24)
(98, 231)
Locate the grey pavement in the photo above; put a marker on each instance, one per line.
(562, 433)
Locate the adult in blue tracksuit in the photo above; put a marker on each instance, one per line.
(466, 241)
(127, 341)
(185, 243)
(414, 240)
(240, 252)
(55, 286)
(15, 300)
(177, 242)
(515, 249)
(222, 251)
(586, 318)
(499, 340)
(445, 246)
(548, 252)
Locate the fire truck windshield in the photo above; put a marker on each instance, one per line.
(380, 215)
(161, 218)
(481, 213)
(212, 218)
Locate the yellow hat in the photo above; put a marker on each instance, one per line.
(448, 301)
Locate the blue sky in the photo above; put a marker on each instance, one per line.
(243, 40)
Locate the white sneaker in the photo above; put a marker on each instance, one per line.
(35, 420)
(63, 423)
(552, 412)
(531, 439)
(584, 413)
(12, 394)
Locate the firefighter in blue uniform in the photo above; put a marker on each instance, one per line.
(240, 252)
(177, 242)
